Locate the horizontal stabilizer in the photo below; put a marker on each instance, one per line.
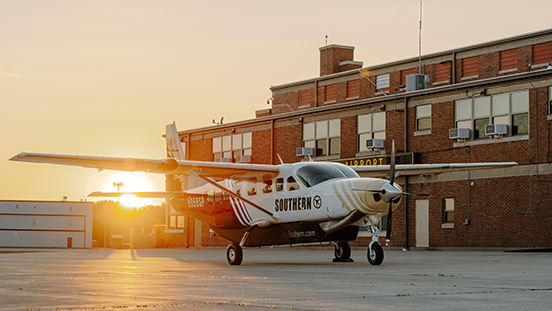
(142, 194)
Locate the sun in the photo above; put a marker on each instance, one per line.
(131, 201)
(131, 182)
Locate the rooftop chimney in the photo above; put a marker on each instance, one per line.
(337, 58)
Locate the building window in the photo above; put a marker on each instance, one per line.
(511, 109)
(542, 53)
(423, 118)
(370, 126)
(448, 210)
(180, 221)
(330, 93)
(323, 136)
(382, 81)
(508, 59)
(305, 97)
(441, 72)
(353, 89)
(470, 67)
(175, 220)
(231, 148)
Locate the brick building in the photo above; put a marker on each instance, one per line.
(498, 95)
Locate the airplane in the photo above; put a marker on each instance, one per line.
(259, 205)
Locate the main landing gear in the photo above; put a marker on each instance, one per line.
(342, 252)
(234, 253)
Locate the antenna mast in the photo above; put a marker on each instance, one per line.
(420, 42)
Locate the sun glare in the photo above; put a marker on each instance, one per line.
(130, 182)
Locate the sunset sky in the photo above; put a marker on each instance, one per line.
(105, 77)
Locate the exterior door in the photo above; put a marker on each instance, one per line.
(422, 223)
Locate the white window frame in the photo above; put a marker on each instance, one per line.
(230, 146)
(326, 131)
(422, 114)
(366, 129)
(492, 113)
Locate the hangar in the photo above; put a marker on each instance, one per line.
(45, 224)
(486, 102)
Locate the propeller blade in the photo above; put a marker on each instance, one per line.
(389, 223)
(420, 194)
(392, 166)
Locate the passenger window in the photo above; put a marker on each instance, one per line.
(251, 188)
(292, 184)
(237, 189)
(279, 184)
(267, 186)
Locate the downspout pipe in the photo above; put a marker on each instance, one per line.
(406, 177)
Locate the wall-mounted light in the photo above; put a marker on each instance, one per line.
(382, 108)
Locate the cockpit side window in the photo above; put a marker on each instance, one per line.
(292, 185)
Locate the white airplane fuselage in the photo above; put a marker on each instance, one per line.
(306, 192)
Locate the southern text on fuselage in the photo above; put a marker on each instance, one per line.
(293, 204)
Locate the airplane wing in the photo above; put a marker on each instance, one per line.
(418, 169)
(217, 170)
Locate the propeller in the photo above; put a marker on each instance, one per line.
(391, 182)
(389, 192)
(392, 192)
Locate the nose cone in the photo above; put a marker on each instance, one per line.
(367, 194)
(391, 192)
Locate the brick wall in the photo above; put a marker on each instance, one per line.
(503, 212)
(488, 61)
(286, 139)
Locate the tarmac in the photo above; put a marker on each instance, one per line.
(280, 278)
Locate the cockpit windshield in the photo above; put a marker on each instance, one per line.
(316, 173)
(347, 171)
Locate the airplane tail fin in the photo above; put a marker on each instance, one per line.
(174, 147)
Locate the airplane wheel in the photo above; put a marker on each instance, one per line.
(343, 251)
(234, 254)
(375, 254)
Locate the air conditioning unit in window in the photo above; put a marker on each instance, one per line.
(496, 129)
(225, 160)
(416, 82)
(459, 133)
(304, 151)
(243, 159)
(375, 143)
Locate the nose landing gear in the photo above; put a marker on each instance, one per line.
(375, 251)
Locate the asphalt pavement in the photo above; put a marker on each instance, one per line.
(282, 278)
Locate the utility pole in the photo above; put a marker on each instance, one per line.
(118, 185)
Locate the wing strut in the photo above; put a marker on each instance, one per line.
(212, 182)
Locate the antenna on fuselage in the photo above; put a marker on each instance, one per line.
(282, 162)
